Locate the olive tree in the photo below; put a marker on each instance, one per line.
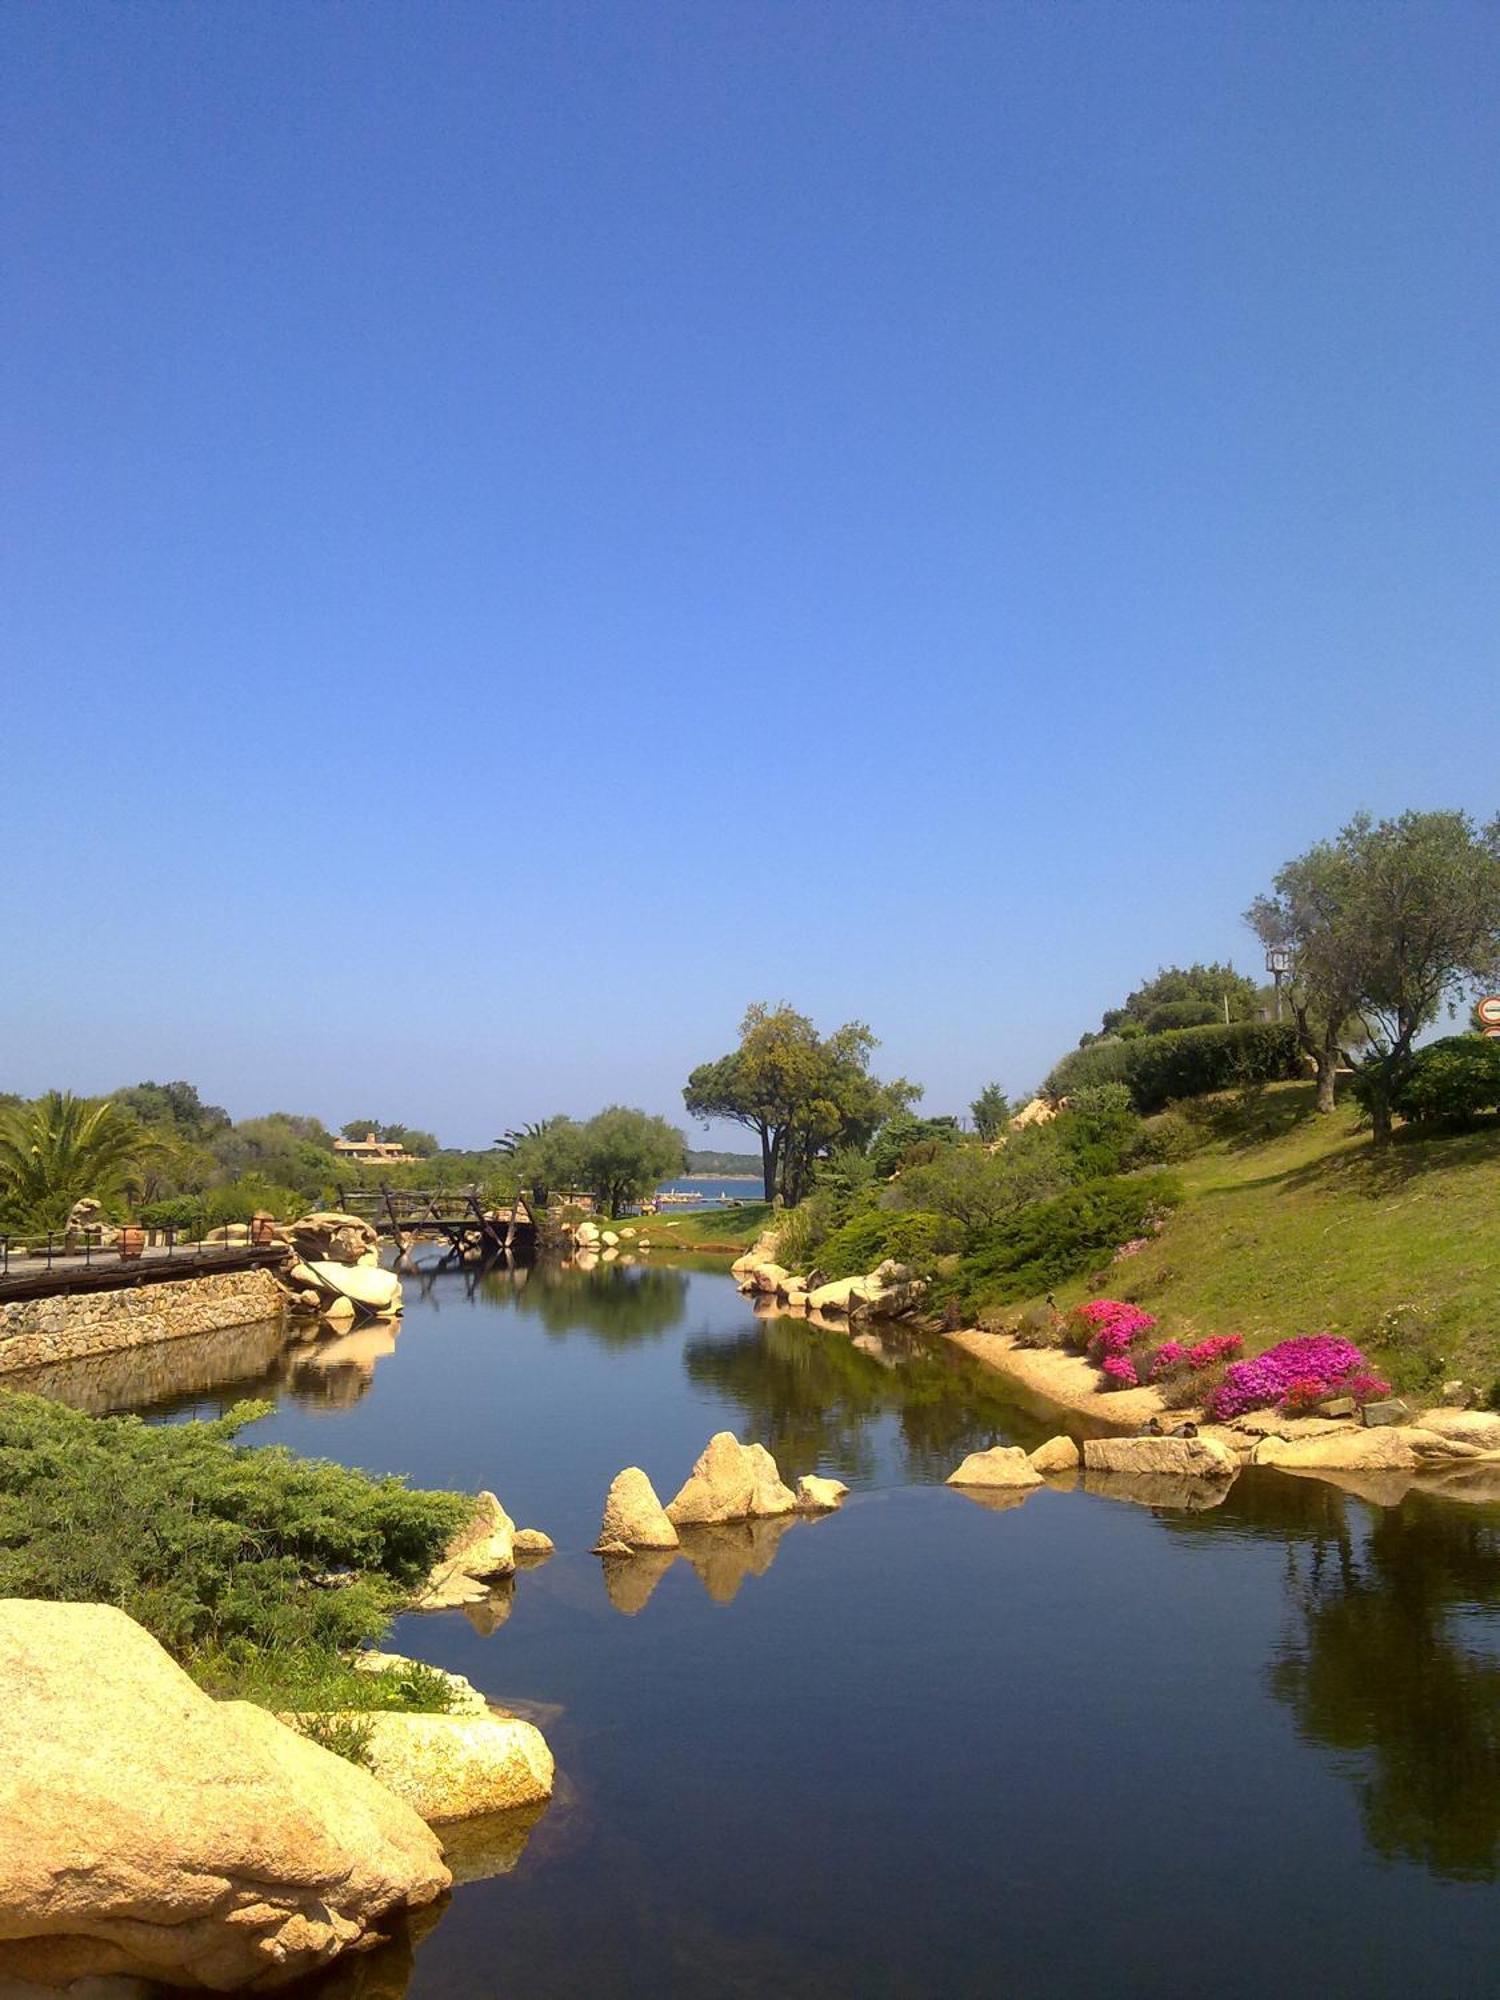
(1386, 924)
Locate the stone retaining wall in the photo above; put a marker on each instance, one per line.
(63, 1328)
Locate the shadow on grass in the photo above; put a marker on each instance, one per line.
(1376, 1173)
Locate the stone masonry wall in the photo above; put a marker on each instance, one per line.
(36, 1331)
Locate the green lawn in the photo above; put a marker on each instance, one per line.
(1294, 1224)
(728, 1229)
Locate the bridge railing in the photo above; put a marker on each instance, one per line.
(27, 1251)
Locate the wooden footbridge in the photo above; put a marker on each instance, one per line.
(457, 1217)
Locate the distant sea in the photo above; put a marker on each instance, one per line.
(707, 1193)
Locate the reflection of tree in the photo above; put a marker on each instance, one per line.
(616, 1307)
(1382, 1666)
(815, 1399)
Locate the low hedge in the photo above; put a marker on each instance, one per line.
(1183, 1062)
(1058, 1239)
(1451, 1082)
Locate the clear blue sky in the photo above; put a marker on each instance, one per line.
(526, 527)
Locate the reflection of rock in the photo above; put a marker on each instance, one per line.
(725, 1553)
(998, 1499)
(1184, 1490)
(731, 1482)
(451, 1766)
(1059, 1454)
(382, 1974)
(1178, 1457)
(633, 1515)
(362, 1347)
(489, 1844)
(488, 1613)
(630, 1579)
(1001, 1465)
(819, 1496)
(150, 1830)
(484, 1548)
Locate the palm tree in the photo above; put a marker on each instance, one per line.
(60, 1149)
(513, 1138)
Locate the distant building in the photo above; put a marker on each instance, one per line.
(371, 1148)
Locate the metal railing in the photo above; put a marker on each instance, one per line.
(24, 1253)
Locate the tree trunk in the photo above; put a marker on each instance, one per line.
(767, 1163)
(1327, 1076)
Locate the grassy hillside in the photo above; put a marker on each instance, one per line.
(1293, 1224)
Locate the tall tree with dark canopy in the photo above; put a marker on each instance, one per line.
(800, 1092)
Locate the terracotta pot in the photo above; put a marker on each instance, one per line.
(132, 1241)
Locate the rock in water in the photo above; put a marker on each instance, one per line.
(731, 1482)
(481, 1550)
(819, 1496)
(376, 1291)
(1383, 1450)
(633, 1516)
(454, 1766)
(148, 1830)
(1001, 1465)
(1059, 1454)
(1193, 1458)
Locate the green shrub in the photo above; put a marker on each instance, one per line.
(182, 1212)
(1168, 1138)
(1451, 1082)
(1186, 1062)
(347, 1736)
(1057, 1239)
(240, 1200)
(976, 1188)
(1097, 1130)
(909, 1235)
(240, 1556)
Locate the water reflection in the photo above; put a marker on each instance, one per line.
(1395, 1661)
(816, 1398)
(617, 1305)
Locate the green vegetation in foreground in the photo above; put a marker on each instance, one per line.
(727, 1229)
(1292, 1223)
(255, 1569)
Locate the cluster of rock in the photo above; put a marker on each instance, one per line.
(1190, 1471)
(147, 1830)
(593, 1243)
(890, 1291)
(730, 1482)
(334, 1268)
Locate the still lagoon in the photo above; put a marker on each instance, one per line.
(924, 1746)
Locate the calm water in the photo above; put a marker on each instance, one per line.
(921, 1747)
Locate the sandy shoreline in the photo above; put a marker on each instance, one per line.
(1067, 1381)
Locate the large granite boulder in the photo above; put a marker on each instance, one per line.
(453, 1766)
(483, 1549)
(731, 1482)
(1001, 1465)
(633, 1516)
(1479, 1428)
(331, 1236)
(371, 1290)
(1059, 1454)
(816, 1495)
(150, 1831)
(1344, 1451)
(1178, 1457)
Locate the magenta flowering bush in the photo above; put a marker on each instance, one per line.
(1169, 1357)
(1308, 1368)
(1108, 1326)
(1218, 1347)
(1119, 1372)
